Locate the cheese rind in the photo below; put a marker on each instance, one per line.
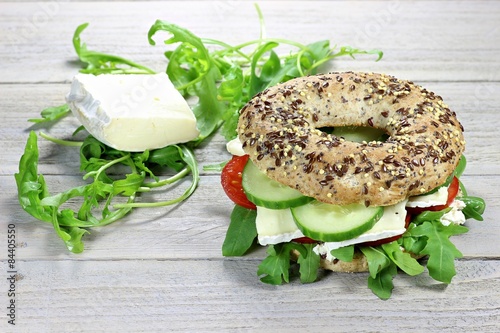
(132, 112)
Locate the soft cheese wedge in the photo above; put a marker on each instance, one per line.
(132, 112)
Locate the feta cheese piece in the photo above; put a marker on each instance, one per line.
(132, 112)
(235, 147)
(455, 215)
(427, 200)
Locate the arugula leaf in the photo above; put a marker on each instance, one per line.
(403, 260)
(241, 233)
(382, 285)
(75, 244)
(167, 157)
(31, 186)
(345, 253)
(52, 113)
(220, 79)
(410, 243)
(275, 268)
(193, 71)
(377, 259)
(382, 270)
(459, 170)
(130, 185)
(309, 262)
(96, 160)
(441, 251)
(430, 216)
(474, 207)
(102, 63)
(269, 69)
(34, 196)
(383, 262)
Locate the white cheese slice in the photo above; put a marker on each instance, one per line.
(132, 112)
(235, 147)
(440, 197)
(277, 226)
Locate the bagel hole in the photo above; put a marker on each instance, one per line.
(357, 133)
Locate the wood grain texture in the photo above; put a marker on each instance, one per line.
(162, 269)
(452, 40)
(225, 296)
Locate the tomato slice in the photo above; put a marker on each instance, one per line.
(304, 240)
(231, 181)
(452, 193)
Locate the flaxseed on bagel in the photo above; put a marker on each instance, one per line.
(280, 129)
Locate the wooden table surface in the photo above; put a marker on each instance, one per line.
(162, 269)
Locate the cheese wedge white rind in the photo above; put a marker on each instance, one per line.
(132, 112)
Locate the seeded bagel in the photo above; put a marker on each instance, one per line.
(280, 129)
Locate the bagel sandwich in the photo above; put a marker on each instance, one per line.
(350, 172)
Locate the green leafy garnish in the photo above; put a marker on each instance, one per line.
(96, 160)
(275, 268)
(102, 63)
(241, 232)
(227, 77)
(403, 260)
(309, 263)
(382, 271)
(474, 207)
(345, 253)
(441, 251)
(52, 113)
(383, 262)
(194, 73)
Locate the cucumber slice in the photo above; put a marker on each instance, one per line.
(333, 223)
(265, 192)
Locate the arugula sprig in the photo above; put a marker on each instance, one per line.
(102, 63)
(224, 79)
(275, 268)
(98, 198)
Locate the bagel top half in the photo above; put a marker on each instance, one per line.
(280, 129)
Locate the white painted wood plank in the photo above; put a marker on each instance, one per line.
(421, 39)
(226, 295)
